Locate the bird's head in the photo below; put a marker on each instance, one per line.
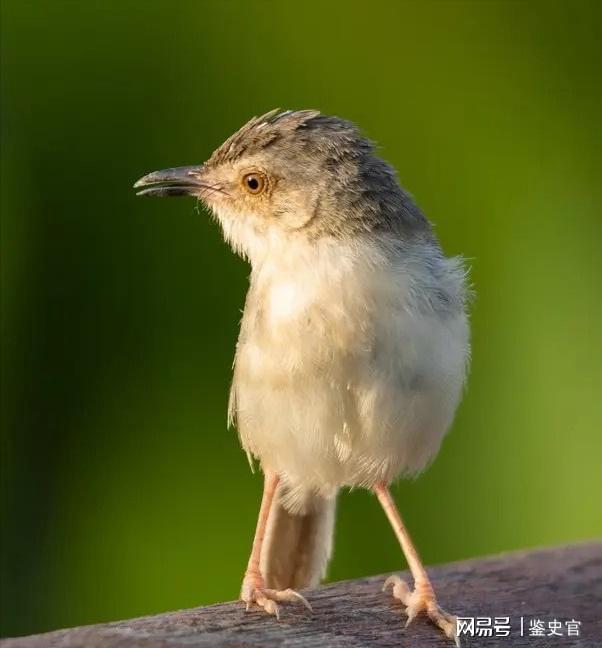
(293, 175)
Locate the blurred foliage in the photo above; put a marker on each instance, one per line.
(122, 491)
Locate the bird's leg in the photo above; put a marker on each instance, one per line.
(253, 585)
(422, 597)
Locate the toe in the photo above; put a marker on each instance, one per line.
(268, 599)
(264, 600)
(401, 590)
(294, 597)
(271, 607)
(445, 621)
(412, 613)
(287, 596)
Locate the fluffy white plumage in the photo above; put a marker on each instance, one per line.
(346, 372)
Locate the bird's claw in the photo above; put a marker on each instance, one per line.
(268, 599)
(423, 600)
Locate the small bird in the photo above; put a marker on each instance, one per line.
(353, 345)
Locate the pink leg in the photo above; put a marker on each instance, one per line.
(422, 598)
(253, 587)
(253, 577)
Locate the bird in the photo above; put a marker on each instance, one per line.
(354, 342)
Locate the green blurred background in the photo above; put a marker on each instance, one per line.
(122, 491)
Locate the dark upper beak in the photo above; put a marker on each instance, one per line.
(179, 181)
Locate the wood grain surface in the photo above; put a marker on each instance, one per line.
(559, 584)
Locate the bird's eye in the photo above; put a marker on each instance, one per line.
(254, 183)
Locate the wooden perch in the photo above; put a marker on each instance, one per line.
(550, 585)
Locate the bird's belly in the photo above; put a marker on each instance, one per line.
(350, 408)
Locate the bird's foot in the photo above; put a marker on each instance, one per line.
(254, 593)
(422, 599)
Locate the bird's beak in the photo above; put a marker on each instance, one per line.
(179, 181)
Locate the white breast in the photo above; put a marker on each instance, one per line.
(349, 365)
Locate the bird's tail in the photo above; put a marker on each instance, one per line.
(299, 539)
